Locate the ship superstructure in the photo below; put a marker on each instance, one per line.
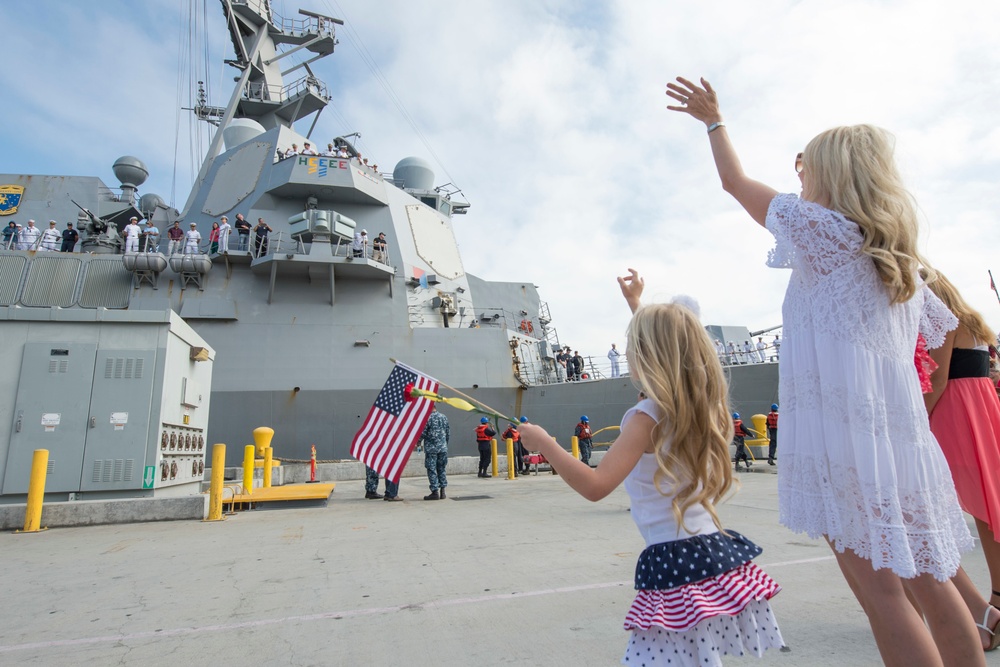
(300, 328)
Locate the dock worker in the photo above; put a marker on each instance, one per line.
(772, 433)
(585, 437)
(740, 434)
(484, 434)
(519, 451)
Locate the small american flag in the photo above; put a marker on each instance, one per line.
(394, 424)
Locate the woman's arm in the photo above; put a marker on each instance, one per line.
(701, 103)
(595, 483)
(939, 378)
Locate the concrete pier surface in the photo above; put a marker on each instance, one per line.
(503, 572)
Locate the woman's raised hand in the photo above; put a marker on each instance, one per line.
(632, 286)
(700, 102)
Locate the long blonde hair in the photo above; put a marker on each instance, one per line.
(853, 167)
(967, 316)
(677, 367)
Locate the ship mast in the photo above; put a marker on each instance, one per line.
(261, 93)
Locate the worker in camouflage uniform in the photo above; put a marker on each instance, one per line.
(371, 487)
(435, 437)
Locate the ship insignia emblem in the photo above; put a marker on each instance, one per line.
(10, 197)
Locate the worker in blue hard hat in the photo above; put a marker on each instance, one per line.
(772, 434)
(585, 437)
(484, 434)
(524, 420)
(520, 467)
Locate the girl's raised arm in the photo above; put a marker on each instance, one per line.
(595, 483)
(701, 103)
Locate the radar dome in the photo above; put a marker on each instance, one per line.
(241, 130)
(414, 173)
(130, 171)
(149, 203)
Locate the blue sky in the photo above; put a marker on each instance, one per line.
(550, 116)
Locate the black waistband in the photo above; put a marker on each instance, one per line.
(966, 363)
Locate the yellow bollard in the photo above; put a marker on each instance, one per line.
(268, 457)
(510, 458)
(575, 443)
(493, 454)
(248, 452)
(36, 491)
(262, 436)
(215, 488)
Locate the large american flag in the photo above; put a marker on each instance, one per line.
(394, 423)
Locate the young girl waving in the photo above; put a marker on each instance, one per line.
(699, 595)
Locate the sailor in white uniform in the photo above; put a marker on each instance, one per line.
(192, 239)
(50, 238)
(613, 355)
(131, 234)
(29, 236)
(761, 347)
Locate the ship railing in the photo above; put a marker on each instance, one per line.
(741, 358)
(259, 91)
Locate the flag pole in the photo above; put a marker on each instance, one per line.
(492, 411)
(993, 285)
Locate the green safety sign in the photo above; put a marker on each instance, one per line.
(148, 476)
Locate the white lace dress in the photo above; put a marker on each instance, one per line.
(858, 461)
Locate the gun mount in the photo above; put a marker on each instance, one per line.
(102, 235)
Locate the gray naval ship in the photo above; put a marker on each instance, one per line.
(126, 365)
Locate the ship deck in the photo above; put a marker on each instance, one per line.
(502, 572)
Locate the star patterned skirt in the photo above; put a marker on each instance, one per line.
(698, 599)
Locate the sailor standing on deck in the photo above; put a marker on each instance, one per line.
(192, 239)
(30, 236)
(243, 229)
(360, 246)
(613, 355)
(152, 236)
(761, 346)
(69, 238)
(131, 234)
(50, 238)
(176, 236)
(224, 229)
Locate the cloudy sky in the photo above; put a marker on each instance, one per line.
(550, 116)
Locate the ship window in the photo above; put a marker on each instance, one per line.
(430, 201)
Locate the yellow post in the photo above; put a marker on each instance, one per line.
(510, 458)
(248, 452)
(575, 443)
(36, 491)
(493, 454)
(215, 488)
(268, 456)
